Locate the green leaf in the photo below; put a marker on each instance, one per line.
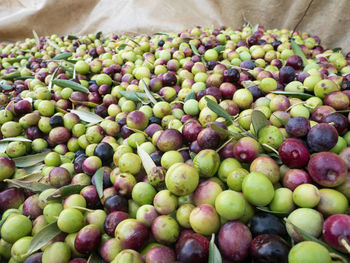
(24, 77)
(219, 48)
(5, 87)
(337, 49)
(308, 237)
(31, 186)
(122, 46)
(212, 105)
(88, 116)
(29, 160)
(52, 78)
(248, 83)
(259, 120)
(133, 41)
(34, 168)
(134, 96)
(98, 34)
(11, 76)
(64, 83)
(267, 210)
(299, 95)
(94, 258)
(214, 253)
(32, 177)
(62, 56)
(85, 103)
(220, 130)
(148, 93)
(297, 51)
(71, 37)
(146, 160)
(15, 139)
(98, 176)
(43, 237)
(162, 33)
(36, 37)
(195, 50)
(191, 96)
(17, 59)
(66, 190)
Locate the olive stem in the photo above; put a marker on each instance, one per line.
(345, 244)
(334, 255)
(302, 102)
(83, 208)
(183, 149)
(271, 148)
(224, 144)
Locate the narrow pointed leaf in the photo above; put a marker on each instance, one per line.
(71, 37)
(15, 139)
(64, 83)
(299, 95)
(98, 176)
(220, 130)
(52, 78)
(24, 77)
(98, 35)
(133, 41)
(94, 258)
(31, 186)
(5, 87)
(85, 103)
(3, 221)
(267, 210)
(130, 95)
(259, 120)
(36, 37)
(146, 160)
(66, 190)
(297, 51)
(148, 93)
(62, 56)
(214, 253)
(34, 168)
(248, 84)
(212, 105)
(162, 33)
(122, 46)
(43, 237)
(53, 44)
(219, 48)
(337, 49)
(194, 50)
(308, 237)
(11, 76)
(191, 96)
(17, 59)
(33, 177)
(3, 147)
(88, 116)
(29, 160)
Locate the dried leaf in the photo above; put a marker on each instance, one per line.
(212, 105)
(297, 51)
(191, 96)
(98, 177)
(15, 139)
(299, 95)
(29, 160)
(214, 253)
(43, 237)
(88, 116)
(147, 161)
(70, 84)
(148, 93)
(62, 56)
(259, 120)
(31, 186)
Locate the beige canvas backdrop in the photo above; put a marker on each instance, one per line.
(329, 19)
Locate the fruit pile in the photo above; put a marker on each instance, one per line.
(208, 145)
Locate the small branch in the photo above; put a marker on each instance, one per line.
(302, 17)
(345, 244)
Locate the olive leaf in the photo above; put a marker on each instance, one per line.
(122, 46)
(3, 220)
(133, 41)
(11, 76)
(85, 103)
(33, 177)
(337, 49)
(52, 78)
(62, 56)
(191, 96)
(88, 116)
(70, 84)
(308, 237)
(297, 51)
(259, 120)
(220, 130)
(195, 50)
(15, 139)
(71, 37)
(134, 96)
(219, 48)
(43, 237)
(146, 160)
(98, 177)
(17, 59)
(31, 186)
(299, 95)
(212, 105)
(148, 93)
(267, 210)
(36, 37)
(5, 87)
(214, 253)
(53, 44)
(3, 147)
(29, 160)
(94, 258)
(24, 77)
(66, 190)
(162, 33)
(248, 83)
(34, 168)
(98, 35)
(343, 111)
